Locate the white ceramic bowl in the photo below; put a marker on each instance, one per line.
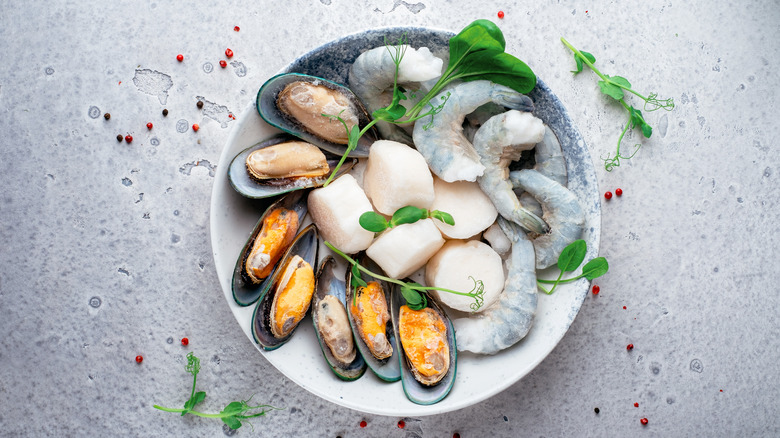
(478, 377)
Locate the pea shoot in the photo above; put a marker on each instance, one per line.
(234, 414)
(570, 259)
(615, 87)
(373, 221)
(413, 293)
(477, 52)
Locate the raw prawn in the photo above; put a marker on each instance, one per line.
(508, 320)
(550, 163)
(372, 77)
(498, 142)
(562, 211)
(440, 139)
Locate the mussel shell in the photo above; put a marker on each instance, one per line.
(386, 369)
(266, 106)
(247, 186)
(245, 292)
(414, 390)
(329, 284)
(304, 245)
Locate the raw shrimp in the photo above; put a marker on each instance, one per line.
(498, 142)
(474, 121)
(508, 320)
(372, 77)
(550, 163)
(440, 137)
(562, 211)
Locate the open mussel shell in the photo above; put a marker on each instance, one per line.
(329, 284)
(414, 390)
(305, 246)
(250, 187)
(387, 369)
(245, 291)
(268, 107)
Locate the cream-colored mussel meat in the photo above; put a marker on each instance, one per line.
(334, 328)
(291, 159)
(307, 101)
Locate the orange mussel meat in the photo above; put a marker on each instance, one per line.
(278, 231)
(423, 335)
(294, 291)
(371, 316)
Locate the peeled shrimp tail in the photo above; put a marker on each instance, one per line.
(509, 319)
(562, 211)
(500, 192)
(440, 138)
(498, 142)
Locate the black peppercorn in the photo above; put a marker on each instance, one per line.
(119, 138)
(106, 116)
(200, 104)
(165, 112)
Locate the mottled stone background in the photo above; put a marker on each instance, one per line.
(105, 245)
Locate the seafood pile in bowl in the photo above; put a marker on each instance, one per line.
(482, 157)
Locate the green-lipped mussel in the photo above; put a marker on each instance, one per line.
(287, 300)
(428, 354)
(295, 103)
(272, 236)
(369, 317)
(331, 324)
(282, 164)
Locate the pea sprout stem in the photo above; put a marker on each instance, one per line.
(477, 283)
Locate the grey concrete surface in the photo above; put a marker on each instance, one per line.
(105, 245)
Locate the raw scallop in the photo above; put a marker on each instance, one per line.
(397, 176)
(405, 248)
(469, 206)
(336, 210)
(458, 260)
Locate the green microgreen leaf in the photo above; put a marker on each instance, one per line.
(579, 62)
(590, 57)
(443, 216)
(373, 221)
(499, 67)
(572, 256)
(616, 88)
(357, 279)
(414, 299)
(354, 135)
(408, 215)
(194, 400)
(395, 110)
(595, 268)
(234, 408)
(477, 36)
(611, 89)
(620, 81)
(233, 413)
(232, 422)
(570, 259)
(637, 120)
